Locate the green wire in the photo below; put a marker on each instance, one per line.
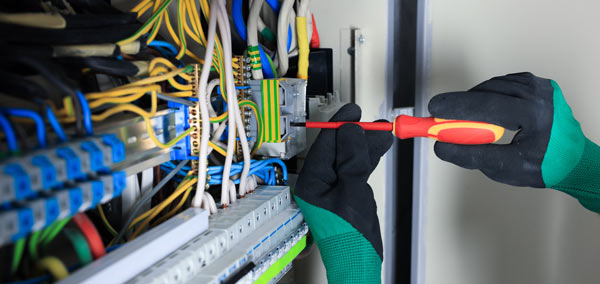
(33, 242)
(220, 120)
(268, 34)
(152, 19)
(17, 255)
(54, 230)
(273, 69)
(80, 245)
(181, 34)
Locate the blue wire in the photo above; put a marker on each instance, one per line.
(266, 66)
(41, 129)
(289, 42)
(240, 27)
(238, 18)
(9, 133)
(55, 124)
(40, 279)
(114, 247)
(274, 5)
(165, 44)
(87, 113)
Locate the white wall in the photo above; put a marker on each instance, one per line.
(479, 231)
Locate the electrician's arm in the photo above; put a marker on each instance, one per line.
(550, 150)
(338, 204)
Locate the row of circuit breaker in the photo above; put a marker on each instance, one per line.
(194, 246)
(50, 184)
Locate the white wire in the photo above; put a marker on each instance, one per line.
(234, 109)
(202, 100)
(282, 33)
(292, 19)
(232, 193)
(210, 203)
(253, 18)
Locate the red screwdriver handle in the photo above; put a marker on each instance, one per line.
(450, 131)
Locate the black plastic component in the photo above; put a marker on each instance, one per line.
(320, 71)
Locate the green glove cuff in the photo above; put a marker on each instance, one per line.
(583, 182)
(347, 255)
(566, 144)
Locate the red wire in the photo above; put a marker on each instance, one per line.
(315, 42)
(90, 233)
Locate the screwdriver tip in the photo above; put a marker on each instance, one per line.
(298, 124)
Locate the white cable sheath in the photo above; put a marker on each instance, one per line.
(252, 31)
(232, 192)
(231, 104)
(234, 109)
(282, 33)
(202, 100)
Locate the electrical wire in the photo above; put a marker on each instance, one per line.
(41, 128)
(165, 44)
(87, 114)
(156, 210)
(88, 229)
(203, 103)
(107, 224)
(80, 245)
(144, 199)
(253, 17)
(18, 249)
(231, 134)
(254, 108)
(54, 266)
(9, 134)
(53, 231)
(147, 25)
(55, 124)
(282, 22)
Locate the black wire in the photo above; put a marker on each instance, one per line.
(48, 71)
(140, 202)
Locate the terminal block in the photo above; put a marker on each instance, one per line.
(46, 169)
(281, 102)
(36, 214)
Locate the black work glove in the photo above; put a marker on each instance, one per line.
(338, 204)
(550, 149)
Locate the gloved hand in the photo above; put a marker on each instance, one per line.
(550, 150)
(338, 204)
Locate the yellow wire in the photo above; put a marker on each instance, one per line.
(53, 265)
(161, 60)
(217, 148)
(218, 118)
(182, 50)
(143, 10)
(106, 223)
(172, 81)
(155, 29)
(155, 211)
(180, 94)
(176, 208)
(123, 90)
(154, 79)
(140, 5)
(119, 100)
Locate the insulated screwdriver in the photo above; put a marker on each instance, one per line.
(404, 126)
